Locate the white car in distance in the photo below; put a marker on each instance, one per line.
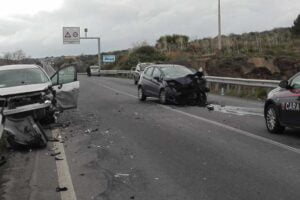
(95, 70)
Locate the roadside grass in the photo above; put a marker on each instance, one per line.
(259, 94)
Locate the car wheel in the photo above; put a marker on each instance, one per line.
(272, 121)
(141, 94)
(163, 97)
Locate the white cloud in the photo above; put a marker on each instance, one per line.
(120, 23)
(11, 8)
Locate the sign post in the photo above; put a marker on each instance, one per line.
(71, 35)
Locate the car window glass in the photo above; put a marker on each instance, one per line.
(12, 78)
(67, 75)
(296, 82)
(54, 80)
(148, 72)
(156, 73)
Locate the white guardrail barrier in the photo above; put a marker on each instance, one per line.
(211, 79)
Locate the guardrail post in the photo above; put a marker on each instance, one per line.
(239, 88)
(227, 88)
(217, 87)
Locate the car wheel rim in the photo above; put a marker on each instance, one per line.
(163, 96)
(140, 93)
(271, 119)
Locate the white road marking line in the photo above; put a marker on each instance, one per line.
(239, 131)
(63, 171)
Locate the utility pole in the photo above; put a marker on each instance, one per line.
(219, 24)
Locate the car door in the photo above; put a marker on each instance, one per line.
(155, 81)
(290, 102)
(146, 82)
(66, 86)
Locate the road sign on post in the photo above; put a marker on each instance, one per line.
(71, 35)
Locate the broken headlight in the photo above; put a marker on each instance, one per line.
(47, 95)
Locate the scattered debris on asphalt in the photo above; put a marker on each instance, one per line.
(95, 130)
(61, 189)
(58, 158)
(88, 131)
(121, 175)
(91, 130)
(55, 154)
(235, 110)
(210, 107)
(52, 149)
(53, 140)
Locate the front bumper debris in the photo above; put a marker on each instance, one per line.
(24, 133)
(22, 109)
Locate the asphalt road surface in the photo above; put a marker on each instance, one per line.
(118, 148)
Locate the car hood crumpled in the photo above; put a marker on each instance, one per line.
(24, 89)
(186, 80)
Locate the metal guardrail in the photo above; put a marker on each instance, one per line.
(243, 82)
(212, 79)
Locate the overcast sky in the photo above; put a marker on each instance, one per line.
(36, 25)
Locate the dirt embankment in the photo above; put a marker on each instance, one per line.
(252, 67)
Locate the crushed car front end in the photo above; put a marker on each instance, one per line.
(190, 89)
(25, 99)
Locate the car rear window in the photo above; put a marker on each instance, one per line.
(18, 77)
(148, 71)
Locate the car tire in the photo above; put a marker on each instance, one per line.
(163, 97)
(272, 120)
(141, 94)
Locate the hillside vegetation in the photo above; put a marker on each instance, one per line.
(273, 54)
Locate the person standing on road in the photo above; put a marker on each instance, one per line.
(88, 71)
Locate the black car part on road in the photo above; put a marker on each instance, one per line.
(190, 89)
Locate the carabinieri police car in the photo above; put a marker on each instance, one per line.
(282, 107)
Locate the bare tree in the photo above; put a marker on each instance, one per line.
(7, 56)
(18, 55)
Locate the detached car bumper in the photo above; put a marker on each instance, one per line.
(22, 109)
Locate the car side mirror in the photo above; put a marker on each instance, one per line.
(284, 84)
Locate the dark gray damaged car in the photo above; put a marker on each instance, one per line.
(173, 84)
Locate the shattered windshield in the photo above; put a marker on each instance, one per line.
(18, 77)
(175, 71)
